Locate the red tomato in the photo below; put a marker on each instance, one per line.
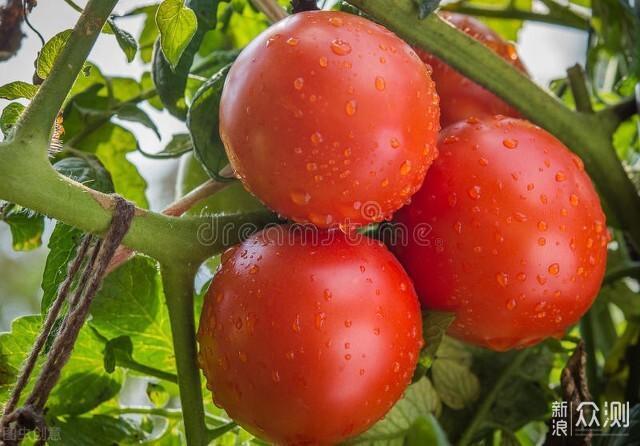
(309, 342)
(460, 97)
(351, 119)
(517, 242)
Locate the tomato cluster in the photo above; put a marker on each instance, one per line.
(310, 333)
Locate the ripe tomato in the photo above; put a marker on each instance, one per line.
(352, 119)
(314, 354)
(517, 242)
(460, 97)
(234, 199)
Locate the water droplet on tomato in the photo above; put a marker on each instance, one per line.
(340, 47)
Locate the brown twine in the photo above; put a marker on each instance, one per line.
(91, 261)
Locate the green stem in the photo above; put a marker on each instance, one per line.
(173, 414)
(148, 371)
(178, 281)
(482, 410)
(570, 19)
(585, 134)
(578, 84)
(588, 336)
(37, 120)
(74, 6)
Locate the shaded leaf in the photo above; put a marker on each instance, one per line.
(456, 384)
(426, 7)
(203, 124)
(177, 24)
(49, 53)
(133, 113)
(18, 90)
(125, 40)
(111, 143)
(9, 117)
(98, 430)
(26, 227)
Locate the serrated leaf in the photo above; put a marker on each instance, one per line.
(177, 24)
(125, 40)
(434, 326)
(83, 384)
(456, 384)
(49, 53)
(111, 143)
(26, 227)
(98, 430)
(9, 117)
(203, 124)
(420, 400)
(18, 90)
(133, 113)
(137, 287)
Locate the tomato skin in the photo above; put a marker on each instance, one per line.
(460, 97)
(352, 119)
(316, 354)
(234, 199)
(518, 242)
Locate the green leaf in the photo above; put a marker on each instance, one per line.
(455, 383)
(131, 112)
(125, 40)
(111, 143)
(203, 124)
(515, 383)
(426, 431)
(136, 286)
(178, 146)
(147, 84)
(623, 436)
(171, 81)
(26, 227)
(9, 117)
(177, 24)
(83, 384)
(98, 430)
(87, 171)
(116, 351)
(50, 52)
(18, 90)
(434, 326)
(420, 400)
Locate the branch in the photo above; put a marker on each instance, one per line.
(38, 118)
(271, 9)
(570, 20)
(178, 284)
(578, 84)
(585, 134)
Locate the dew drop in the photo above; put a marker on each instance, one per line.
(511, 304)
(316, 138)
(474, 192)
(574, 200)
(324, 62)
(502, 279)
(300, 198)
(348, 323)
(351, 107)
(405, 168)
(336, 21)
(542, 226)
(394, 143)
(292, 41)
(312, 167)
(254, 269)
(560, 176)
(275, 376)
(510, 143)
(320, 318)
(554, 269)
(542, 241)
(340, 47)
(298, 83)
(381, 84)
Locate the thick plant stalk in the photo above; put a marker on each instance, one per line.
(178, 281)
